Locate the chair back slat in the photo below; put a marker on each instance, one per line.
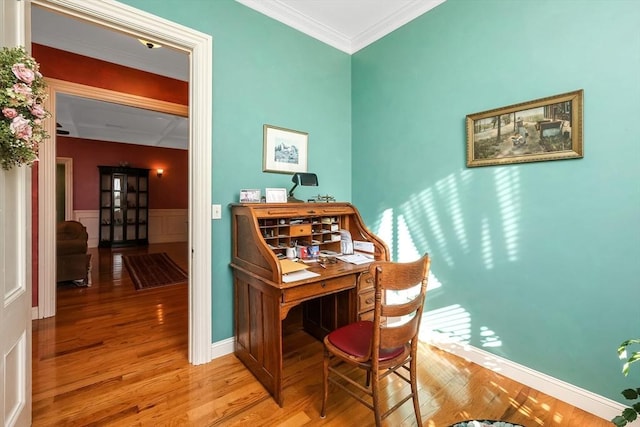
(397, 336)
(398, 310)
(397, 317)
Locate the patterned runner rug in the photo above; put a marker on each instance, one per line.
(153, 270)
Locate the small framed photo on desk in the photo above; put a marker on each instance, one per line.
(276, 195)
(250, 196)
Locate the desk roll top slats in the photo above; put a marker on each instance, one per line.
(262, 300)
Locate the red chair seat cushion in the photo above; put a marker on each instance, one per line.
(355, 339)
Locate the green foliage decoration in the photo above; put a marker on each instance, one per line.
(631, 413)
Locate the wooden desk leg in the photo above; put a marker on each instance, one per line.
(259, 332)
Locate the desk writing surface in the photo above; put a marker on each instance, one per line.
(332, 271)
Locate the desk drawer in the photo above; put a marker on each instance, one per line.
(322, 287)
(366, 300)
(300, 230)
(365, 281)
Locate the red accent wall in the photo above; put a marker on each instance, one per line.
(67, 66)
(169, 192)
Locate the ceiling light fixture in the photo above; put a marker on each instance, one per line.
(149, 44)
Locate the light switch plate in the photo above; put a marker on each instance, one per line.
(216, 211)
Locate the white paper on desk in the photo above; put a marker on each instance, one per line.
(356, 258)
(359, 245)
(298, 275)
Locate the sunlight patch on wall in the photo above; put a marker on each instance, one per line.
(487, 250)
(451, 323)
(429, 205)
(433, 283)
(448, 191)
(507, 182)
(407, 250)
(385, 228)
(489, 338)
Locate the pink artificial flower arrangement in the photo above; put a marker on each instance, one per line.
(22, 96)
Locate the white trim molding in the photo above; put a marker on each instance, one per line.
(223, 348)
(91, 221)
(283, 12)
(199, 46)
(168, 225)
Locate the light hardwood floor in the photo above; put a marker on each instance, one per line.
(114, 356)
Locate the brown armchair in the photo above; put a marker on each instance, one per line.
(72, 259)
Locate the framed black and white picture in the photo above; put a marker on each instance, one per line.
(285, 150)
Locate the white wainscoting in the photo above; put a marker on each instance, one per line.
(168, 225)
(91, 220)
(165, 225)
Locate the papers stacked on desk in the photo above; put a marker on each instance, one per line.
(356, 258)
(294, 271)
(298, 275)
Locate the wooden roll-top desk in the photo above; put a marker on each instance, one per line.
(342, 293)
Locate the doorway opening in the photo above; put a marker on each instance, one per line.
(199, 48)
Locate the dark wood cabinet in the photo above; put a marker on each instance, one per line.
(124, 206)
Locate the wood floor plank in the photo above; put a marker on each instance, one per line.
(114, 356)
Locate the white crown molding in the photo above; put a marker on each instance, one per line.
(391, 23)
(294, 19)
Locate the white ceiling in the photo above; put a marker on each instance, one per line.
(348, 25)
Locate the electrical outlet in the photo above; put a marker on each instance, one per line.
(216, 211)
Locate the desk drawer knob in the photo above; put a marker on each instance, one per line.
(323, 284)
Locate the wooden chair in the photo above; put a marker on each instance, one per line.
(385, 345)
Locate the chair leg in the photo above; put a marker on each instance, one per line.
(414, 389)
(325, 382)
(375, 386)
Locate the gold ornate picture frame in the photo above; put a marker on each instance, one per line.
(539, 130)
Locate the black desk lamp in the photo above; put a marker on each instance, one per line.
(304, 179)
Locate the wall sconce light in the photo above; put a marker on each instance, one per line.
(159, 172)
(304, 179)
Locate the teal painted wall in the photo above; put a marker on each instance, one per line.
(264, 73)
(540, 261)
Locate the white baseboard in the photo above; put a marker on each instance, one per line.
(34, 313)
(590, 402)
(222, 348)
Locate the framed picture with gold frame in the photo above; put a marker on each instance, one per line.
(539, 130)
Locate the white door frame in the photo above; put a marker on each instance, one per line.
(198, 46)
(15, 258)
